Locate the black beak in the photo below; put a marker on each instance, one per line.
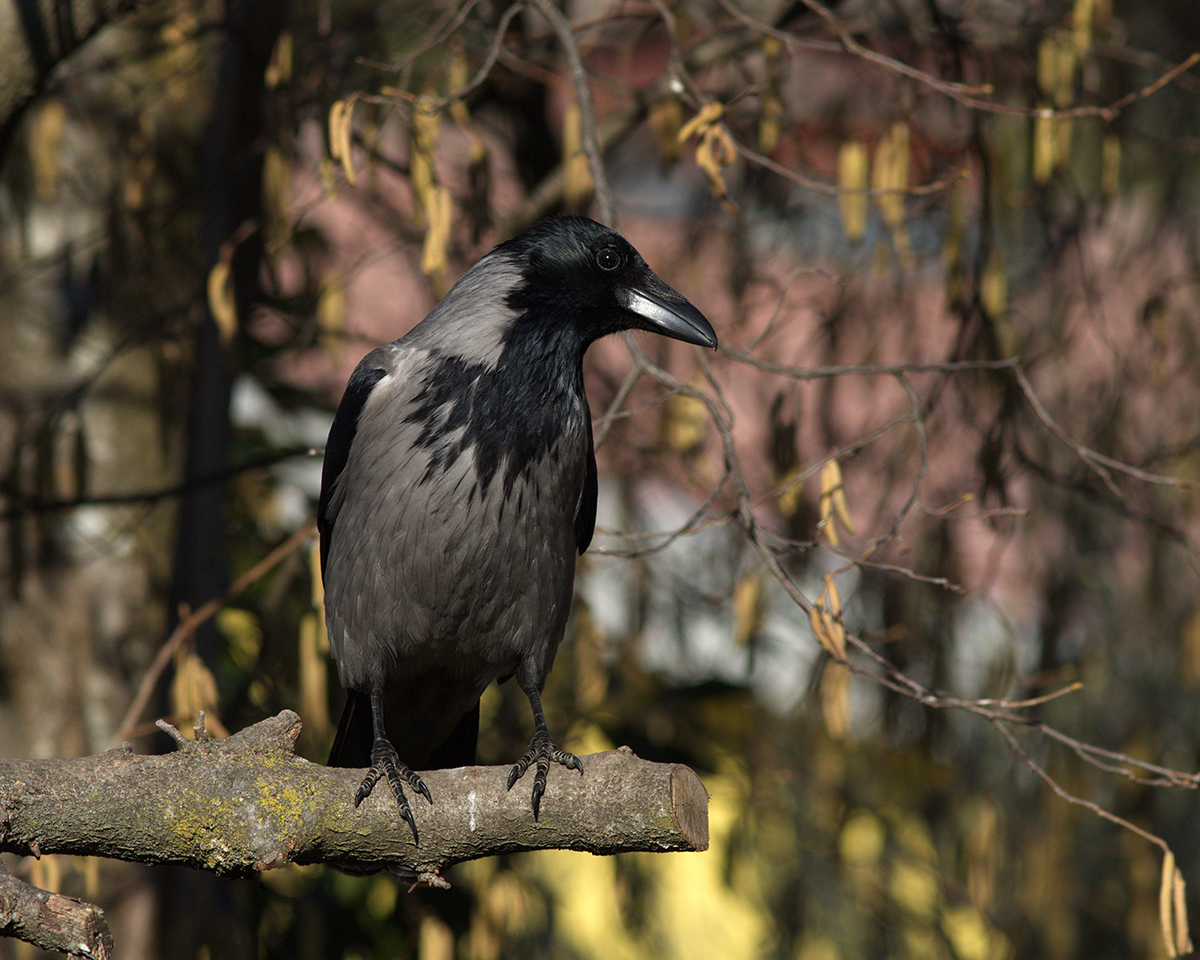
(660, 309)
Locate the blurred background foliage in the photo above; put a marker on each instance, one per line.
(951, 253)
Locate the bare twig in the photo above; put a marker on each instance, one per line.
(33, 506)
(587, 111)
(1098, 462)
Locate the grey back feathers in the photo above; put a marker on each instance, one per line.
(473, 319)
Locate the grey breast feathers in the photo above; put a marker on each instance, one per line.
(428, 566)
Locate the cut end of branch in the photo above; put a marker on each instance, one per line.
(689, 801)
(53, 922)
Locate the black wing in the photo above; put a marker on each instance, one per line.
(337, 448)
(585, 514)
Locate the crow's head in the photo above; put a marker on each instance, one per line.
(543, 297)
(580, 281)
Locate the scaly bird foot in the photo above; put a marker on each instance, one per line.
(386, 762)
(542, 749)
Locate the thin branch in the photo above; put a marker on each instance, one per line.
(864, 369)
(1071, 798)
(587, 110)
(621, 123)
(965, 94)
(481, 75)
(441, 31)
(604, 425)
(1099, 463)
(37, 505)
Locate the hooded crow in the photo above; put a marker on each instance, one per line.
(459, 483)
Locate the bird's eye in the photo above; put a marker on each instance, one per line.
(608, 259)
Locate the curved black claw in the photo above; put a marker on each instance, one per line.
(386, 763)
(542, 749)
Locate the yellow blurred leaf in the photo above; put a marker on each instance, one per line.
(381, 897)
(817, 948)
(835, 699)
(826, 619)
(193, 689)
(328, 180)
(862, 838)
(831, 476)
(1081, 25)
(993, 287)
(426, 131)
(770, 116)
(457, 80)
(577, 175)
(221, 303)
(983, 853)
(1056, 62)
(45, 139)
(318, 584)
(687, 422)
(833, 597)
(91, 878)
(1063, 128)
(506, 902)
(833, 508)
(715, 151)
(789, 499)
(276, 184)
(46, 873)
(708, 115)
(244, 634)
(314, 689)
(337, 118)
(341, 116)
(890, 172)
(435, 940)
(914, 887)
(852, 170)
(331, 309)
(747, 607)
(279, 69)
(1044, 143)
(666, 119)
(1172, 909)
(438, 213)
(972, 936)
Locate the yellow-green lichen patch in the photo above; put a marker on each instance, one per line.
(206, 826)
(284, 807)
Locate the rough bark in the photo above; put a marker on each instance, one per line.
(248, 803)
(52, 921)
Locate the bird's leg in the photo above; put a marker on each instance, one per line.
(386, 762)
(542, 749)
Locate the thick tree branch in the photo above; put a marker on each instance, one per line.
(52, 921)
(248, 803)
